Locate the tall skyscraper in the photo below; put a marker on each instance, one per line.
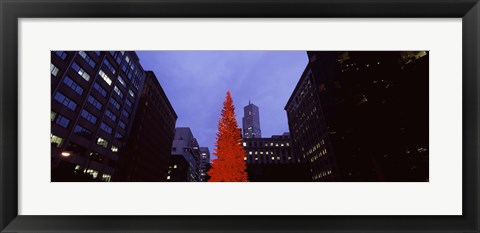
(93, 97)
(251, 121)
(147, 154)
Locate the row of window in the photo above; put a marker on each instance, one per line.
(73, 85)
(81, 71)
(61, 98)
(109, 66)
(87, 58)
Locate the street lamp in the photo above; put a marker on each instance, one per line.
(66, 154)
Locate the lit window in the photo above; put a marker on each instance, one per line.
(119, 93)
(174, 166)
(244, 144)
(54, 139)
(102, 142)
(168, 177)
(92, 172)
(266, 152)
(131, 93)
(282, 144)
(256, 158)
(106, 177)
(249, 152)
(52, 115)
(105, 77)
(273, 158)
(114, 149)
(122, 82)
(288, 144)
(81, 72)
(244, 158)
(53, 69)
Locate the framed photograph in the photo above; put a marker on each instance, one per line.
(252, 116)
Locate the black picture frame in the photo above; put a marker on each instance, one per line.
(12, 10)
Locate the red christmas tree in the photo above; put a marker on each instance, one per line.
(230, 164)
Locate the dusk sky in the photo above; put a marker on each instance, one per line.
(196, 83)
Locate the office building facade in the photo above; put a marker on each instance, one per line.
(272, 160)
(362, 116)
(186, 145)
(204, 163)
(94, 95)
(147, 154)
(251, 121)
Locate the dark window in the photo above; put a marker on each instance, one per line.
(61, 54)
(94, 102)
(110, 115)
(65, 101)
(88, 116)
(128, 103)
(122, 124)
(73, 85)
(62, 121)
(106, 128)
(87, 59)
(100, 89)
(125, 113)
(115, 103)
(82, 131)
(109, 66)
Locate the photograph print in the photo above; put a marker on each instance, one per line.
(239, 116)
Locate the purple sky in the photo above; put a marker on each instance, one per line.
(196, 83)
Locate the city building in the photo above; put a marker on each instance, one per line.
(186, 146)
(272, 159)
(362, 116)
(178, 170)
(204, 163)
(94, 95)
(251, 121)
(147, 154)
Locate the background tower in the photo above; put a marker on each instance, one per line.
(251, 121)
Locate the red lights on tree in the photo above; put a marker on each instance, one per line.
(229, 166)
